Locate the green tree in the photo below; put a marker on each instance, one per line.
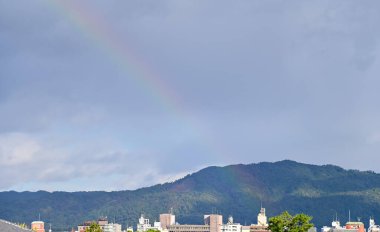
(288, 223)
(94, 227)
(152, 230)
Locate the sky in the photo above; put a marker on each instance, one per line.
(115, 95)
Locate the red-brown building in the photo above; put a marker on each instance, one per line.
(359, 226)
(38, 226)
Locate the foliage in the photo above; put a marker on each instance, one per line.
(94, 227)
(288, 223)
(321, 191)
(22, 225)
(152, 230)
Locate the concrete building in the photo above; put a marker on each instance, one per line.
(372, 226)
(112, 227)
(245, 228)
(215, 221)
(145, 225)
(84, 226)
(262, 218)
(262, 222)
(188, 228)
(350, 227)
(102, 222)
(231, 226)
(358, 226)
(167, 219)
(38, 226)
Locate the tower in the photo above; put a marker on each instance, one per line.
(262, 218)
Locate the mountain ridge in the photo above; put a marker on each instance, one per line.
(318, 190)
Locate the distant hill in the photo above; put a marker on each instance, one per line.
(238, 190)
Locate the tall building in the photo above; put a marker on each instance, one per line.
(38, 226)
(167, 219)
(262, 218)
(262, 222)
(215, 221)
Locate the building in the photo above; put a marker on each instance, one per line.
(358, 226)
(215, 221)
(84, 226)
(144, 225)
(188, 228)
(112, 227)
(372, 226)
(350, 227)
(262, 218)
(102, 222)
(245, 228)
(38, 226)
(167, 219)
(231, 226)
(262, 222)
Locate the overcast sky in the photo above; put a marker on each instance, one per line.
(113, 95)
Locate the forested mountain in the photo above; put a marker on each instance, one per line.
(238, 190)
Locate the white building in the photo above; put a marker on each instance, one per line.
(112, 227)
(144, 225)
(262, 218)
(372, 226)
(231, 226)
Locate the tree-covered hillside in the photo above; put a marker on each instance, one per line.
(238, 190)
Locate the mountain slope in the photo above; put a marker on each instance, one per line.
(321, 191)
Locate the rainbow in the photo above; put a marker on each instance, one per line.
(91, 25)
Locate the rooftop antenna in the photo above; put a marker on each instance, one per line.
(39, 217)
(349, 215)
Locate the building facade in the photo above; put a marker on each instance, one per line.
(188, 228)
(166, 220)
(215, 221)
(38, 226)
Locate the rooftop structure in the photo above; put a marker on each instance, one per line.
(6, 226)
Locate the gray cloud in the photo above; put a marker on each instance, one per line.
(255, 81)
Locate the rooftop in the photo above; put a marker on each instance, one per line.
(6, 226)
